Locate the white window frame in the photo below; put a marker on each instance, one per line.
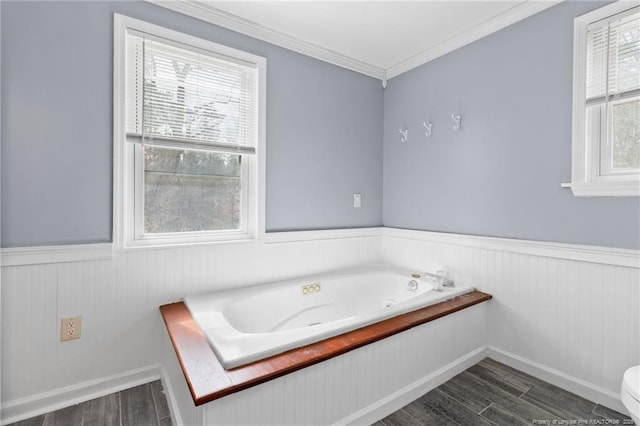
(126, 232)
(585, 155)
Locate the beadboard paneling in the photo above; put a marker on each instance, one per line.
(332, 391)
(572, 314)
(580, 319)
(118, 300)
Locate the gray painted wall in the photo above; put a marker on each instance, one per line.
(499, 176)
(324, 126)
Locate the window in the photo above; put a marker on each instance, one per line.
(606, 102)
(189, 138)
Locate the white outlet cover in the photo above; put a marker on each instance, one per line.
(357, 200)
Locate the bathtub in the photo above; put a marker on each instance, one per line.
(252, 323)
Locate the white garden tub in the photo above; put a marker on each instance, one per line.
(253, 323)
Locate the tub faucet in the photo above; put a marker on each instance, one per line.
(439, 280)
(446, 282)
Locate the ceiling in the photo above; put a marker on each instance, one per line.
(377, 38)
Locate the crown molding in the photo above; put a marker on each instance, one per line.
(201, 10)
(509, 17)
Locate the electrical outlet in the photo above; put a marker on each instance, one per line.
(70, 328)
(357, 201)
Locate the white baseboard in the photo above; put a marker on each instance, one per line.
(404, 396)
(399, 399)
(572, 384)
(171, 398)
(24, 408)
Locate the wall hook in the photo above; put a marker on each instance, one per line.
(405, 135)
(457, 122)
(429, 128)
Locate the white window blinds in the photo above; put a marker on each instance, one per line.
(181, 96)
(613, 58)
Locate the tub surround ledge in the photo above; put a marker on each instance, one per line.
(208, 380)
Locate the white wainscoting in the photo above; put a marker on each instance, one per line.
(568, 314)
(359, 387)
(118, 300)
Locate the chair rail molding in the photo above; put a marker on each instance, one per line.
(17, 256)
(584, 253)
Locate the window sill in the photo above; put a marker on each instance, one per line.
(604, 189)
(187, 241)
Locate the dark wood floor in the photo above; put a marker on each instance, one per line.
(491, 393)
(144, 405)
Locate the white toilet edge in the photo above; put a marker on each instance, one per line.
(630, 400)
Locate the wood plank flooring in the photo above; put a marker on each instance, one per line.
(144, 405)
(491, 393)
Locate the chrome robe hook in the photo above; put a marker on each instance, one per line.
(405, 135)
(457, 122)
(428, 127)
